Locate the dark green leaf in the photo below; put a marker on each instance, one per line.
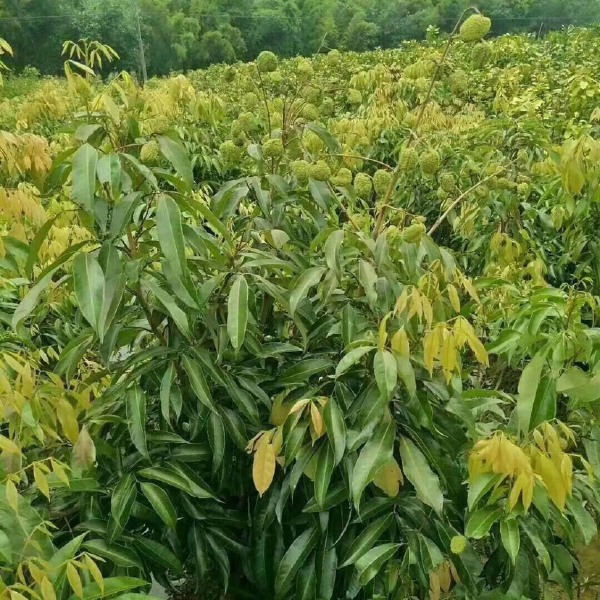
(161, 503)
(136, 416)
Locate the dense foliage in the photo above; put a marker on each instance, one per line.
(188, 34)
(316, 328)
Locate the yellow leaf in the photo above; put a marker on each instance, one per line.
(59, 470)
(84, 451)
(47, 590)
(94, 571)
(389, 478)
(453, 297)
(74, 580)
(431, 349)
(68, 420)
(400, 343)
(277, 441)
(468, 287)
(263, 469)
(478, 349)
(16, 596)
(382, 339)
(299, 406)
(427, 310)
(402, 302)
(318, 424)
(279, 411)
(41, 481)
(435, 589)
(445, 577)
(448, 355)
(35, 572)
(12, 496)
(553, 480)
(9, 446)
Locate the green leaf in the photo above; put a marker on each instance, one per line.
(376, 452)
(480, 486)
(36, 244)
(176, 154)
(584, 520)
(306, 584)
(480, 522)
(170, 236)
(369, 565)
(237, 312)
(365, 541)
(368, 279)
(88, 282)
(179, 317)
(417, 470)
(528, 385)
(165, 392)
(161, 503)
(308, 279)
(577, 385)
(511, 539)
(293, 560)
(136, 417)
(176, 476)
(30, 301)
(122, 557)
(85, 161)
(159, 555)
(109, 172)
(121, 503)
(216, 438)
(351, 359)
(332, 251)
(303, 371)
(592, 450)
(111, 587)
(198, 383)
(386, 373)
(336, 429)
(324, 470)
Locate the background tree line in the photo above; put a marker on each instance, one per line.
(189, 34)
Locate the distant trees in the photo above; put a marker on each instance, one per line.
(188, 34)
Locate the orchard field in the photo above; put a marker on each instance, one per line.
(314, 329)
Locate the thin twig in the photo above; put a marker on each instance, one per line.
(437, 224)
(359, 157)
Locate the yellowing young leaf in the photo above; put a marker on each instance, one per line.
(263, 469)
(41, 481)
(279, 411)
(94, 571)
(427, 310)
(448, 355)
(47, 590)
(9, 446)
(453, 297)
(67, 419)
(400, 343)
(12, 496)
(382, 337)
(316, 418)
(389, 478)
(84, 451)
(74, 580)
(553, 480)
(401, 303)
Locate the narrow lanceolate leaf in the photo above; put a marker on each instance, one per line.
(386, 372)
(511, 539)
(293, 560)
(480, 522)
(308, 279)
(170, 236)
(198, 383)
(85, 161)
(121, 503)
(88, 281)
(136, 416)
(237, 312)
(528, 385)
(112, 586)
(369, 565)
(179, 317)
(161, 503)
(336, 429)
(159, 555)
(176, 154)
(119, 555)
(366, 540)
(419, 473)
(325, 462)
(375, 453)
(36, 244)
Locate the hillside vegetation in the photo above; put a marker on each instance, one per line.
(316, 328)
